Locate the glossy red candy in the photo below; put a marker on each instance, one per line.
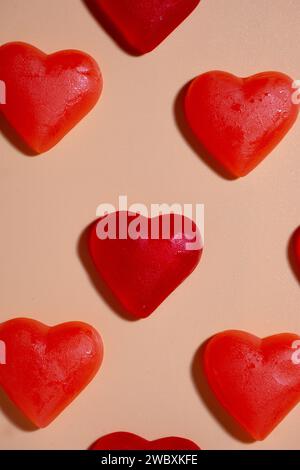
(46, 368)
(239, 121)
(142, 272)
(296, 248)
(144, 24)
(128, 441)
(46, 95)
(256, 380)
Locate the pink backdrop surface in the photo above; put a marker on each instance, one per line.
(132, 143)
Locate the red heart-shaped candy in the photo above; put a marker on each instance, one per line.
(296, 249)
(142, 272)
(144, 24)
(46, 368)
(128, 441)
(256, 380)
(46, 95)
(239, 121)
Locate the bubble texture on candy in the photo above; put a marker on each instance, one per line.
(142, 272)
(47, 367)
(256, 380)
(47, 95)
(239, 121)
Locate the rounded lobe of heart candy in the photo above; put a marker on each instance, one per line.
(142, 272)
(129, 441)
(47, 95)
(144, 25)
(46, 368)
(239, 121)
(296, 248)
(256, 380)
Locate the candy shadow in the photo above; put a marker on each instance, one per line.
(15, 416)
(96, 281)
(109, 27)
(192, 140)
(211, 402)
(291, 254)
(8, 132)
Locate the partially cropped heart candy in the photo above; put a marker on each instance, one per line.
(256, 380)
(144, 24)
(46, 368)
(141, 260)
(239, 121)
(296, 250)
(46, 95)
(128, 441)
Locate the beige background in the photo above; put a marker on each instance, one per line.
(130, 144)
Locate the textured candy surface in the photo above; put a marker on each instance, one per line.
(239, 121)
(46, 368)
(256, 380)
(143, 272)
(46, 95)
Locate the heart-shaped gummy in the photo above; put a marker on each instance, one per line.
(128, 441)
(142, 271)
(256, 380)
(296, 250)
(239, 121)
(46, 95)
(144, 24)
(46, 368)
